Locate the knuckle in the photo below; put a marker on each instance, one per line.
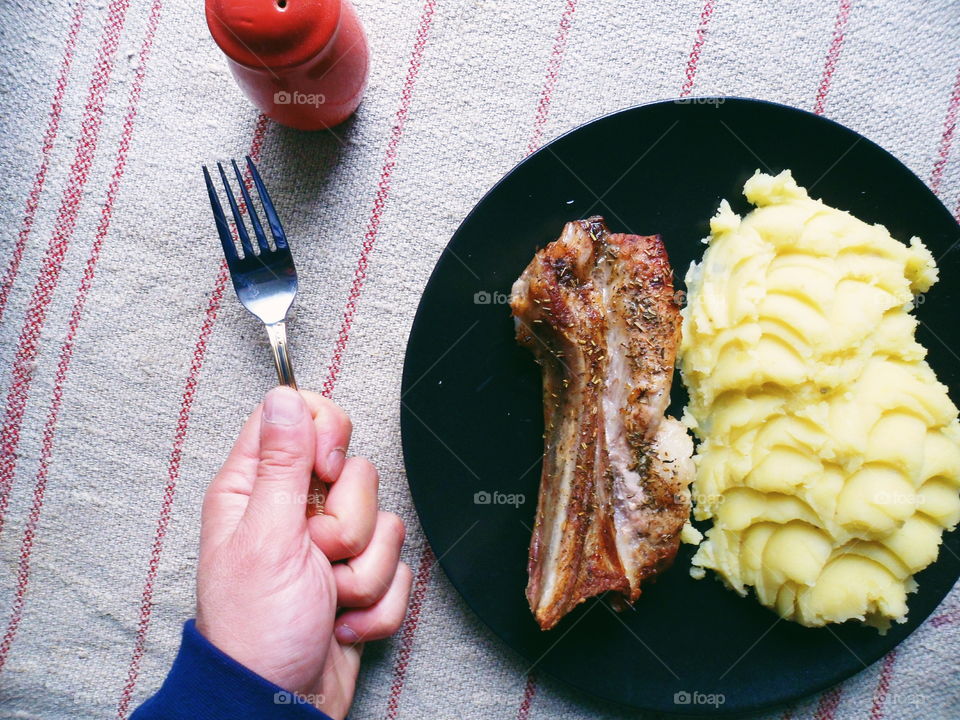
(394, 619)
(393, 525)
(404, 578)
(394, 623)
(331, 419)
(353, 541)
(368, 592)
(345, 422)
(280, 460)
(363, 467)
(391, 613)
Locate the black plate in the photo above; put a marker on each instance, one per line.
(471, 416)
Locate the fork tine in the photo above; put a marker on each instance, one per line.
(223, 229)
(275, 227)
(251, 211)
(237, 217)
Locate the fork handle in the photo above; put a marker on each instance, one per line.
(277, 332)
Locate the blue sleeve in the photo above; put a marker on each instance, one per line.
(206, 684)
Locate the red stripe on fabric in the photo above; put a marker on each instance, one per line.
(947, 618)
(540, 120)
(169, 492)
(883, 686)
(200, 351)
(543, 109)
(829, 702)
(176, 455)
(833, 55)
(946, 139)
(380, 200)
(28, 345)
(694, 58)
(66, 350)
(552, 75)
(529, 692)
(46, 149)
(409, 628)
(409, 631)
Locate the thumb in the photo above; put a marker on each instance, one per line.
(287, 448)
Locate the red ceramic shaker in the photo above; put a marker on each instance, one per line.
(302, 62)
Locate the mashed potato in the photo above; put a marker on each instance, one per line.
(829, 459)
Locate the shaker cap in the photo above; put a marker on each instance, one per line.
(272, 33)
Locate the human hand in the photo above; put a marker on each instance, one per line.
(290, 597)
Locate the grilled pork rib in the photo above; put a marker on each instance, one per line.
(598, 311)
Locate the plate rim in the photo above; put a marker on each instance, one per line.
(406, 382)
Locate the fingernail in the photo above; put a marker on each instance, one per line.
(282, 406)
(335, 461)
(346, 635)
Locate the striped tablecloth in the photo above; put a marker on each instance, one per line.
(127, 366)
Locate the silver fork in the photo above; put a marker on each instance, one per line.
(265, 279)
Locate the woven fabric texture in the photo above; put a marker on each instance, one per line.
(128, 366)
